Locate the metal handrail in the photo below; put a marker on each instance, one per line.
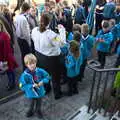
(94, 65)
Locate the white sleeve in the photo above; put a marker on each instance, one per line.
(58, 39)
(33, 34)
(26, 30)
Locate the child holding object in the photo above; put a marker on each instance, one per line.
(31, 82)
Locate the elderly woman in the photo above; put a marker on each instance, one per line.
(7, 57)
(47, 46)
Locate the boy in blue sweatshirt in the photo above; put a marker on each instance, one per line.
(32, 83)
(103, 39)
(73, 63)
(87, 41)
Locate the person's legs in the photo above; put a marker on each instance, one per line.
(38, 107)
(56, 72)
(102, 58)
(31, 104)
(11, 79)
(70, 86)
(82, 69)
(75, 86)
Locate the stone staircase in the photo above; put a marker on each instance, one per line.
(82, 114)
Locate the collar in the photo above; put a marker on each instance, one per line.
(30, 72)
(85, 38)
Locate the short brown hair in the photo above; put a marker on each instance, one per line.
(44, 21)
(105, 24)
(77, 36)
(47, 4)
(76, 27)
(74, 46)
(25, 6)
(30, 58)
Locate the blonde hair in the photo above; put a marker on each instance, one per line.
(84, 29)
(29, 59)
(65, 3)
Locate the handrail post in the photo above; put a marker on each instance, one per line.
(97, 91)
(104, 89)
(91, 93)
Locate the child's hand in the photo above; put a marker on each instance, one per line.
(35, 85)
(101, 40)
(40, 84)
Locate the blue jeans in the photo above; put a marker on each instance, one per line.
(11, 78)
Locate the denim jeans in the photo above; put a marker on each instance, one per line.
(11, 78)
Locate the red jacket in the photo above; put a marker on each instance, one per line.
(6, 53)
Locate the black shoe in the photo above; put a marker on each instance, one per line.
(29, 114)
(9, 88)
(69, 94)
(57, 97)
(75, 92)
(39, 114)
(79, 79)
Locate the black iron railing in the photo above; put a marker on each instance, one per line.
(97, 94)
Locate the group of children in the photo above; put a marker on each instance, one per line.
(78, 47)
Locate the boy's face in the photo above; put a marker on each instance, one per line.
(31, 66)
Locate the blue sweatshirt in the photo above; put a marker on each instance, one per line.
(88, 43)
(27, 81)
(73, 65)
(109, 10)
(107, 37)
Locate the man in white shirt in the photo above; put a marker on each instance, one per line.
(23, 31)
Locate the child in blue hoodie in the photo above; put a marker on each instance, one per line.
(32, 83)
(87, 41)
(103, 39)
(73, 63)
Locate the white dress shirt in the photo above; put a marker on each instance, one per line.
(48, 42)
(22, 28)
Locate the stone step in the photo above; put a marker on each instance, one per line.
(115, 116)
(98, 116)
(81, 114)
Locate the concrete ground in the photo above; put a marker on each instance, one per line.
(53, 109)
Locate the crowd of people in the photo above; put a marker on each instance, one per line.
(59, 44)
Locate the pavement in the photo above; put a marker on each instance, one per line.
(52, 109)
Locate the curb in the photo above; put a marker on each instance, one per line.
(10, 97)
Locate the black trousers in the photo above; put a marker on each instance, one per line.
(99, 18)
(52, 65)
(117, 63)
(102, 58)
(34, 105)
(72, 84)
(24, 48)
(82, 70)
